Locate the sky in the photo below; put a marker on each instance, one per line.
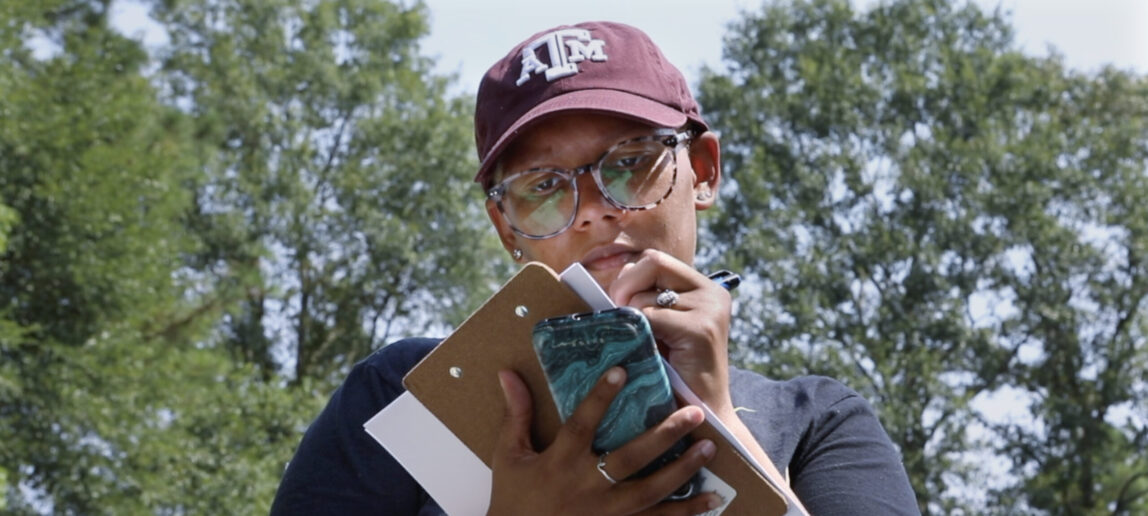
(467, 36)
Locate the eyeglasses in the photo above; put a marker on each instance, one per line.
(542, 202)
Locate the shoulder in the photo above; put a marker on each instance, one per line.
(338, 467)
(377, 380)
(828, 438)
(781, 414)
(393, 361)
(374, 381)
(790, 405)
(800, 394)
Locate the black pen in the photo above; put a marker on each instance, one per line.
(727, 279)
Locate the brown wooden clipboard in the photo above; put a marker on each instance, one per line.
(458, 382)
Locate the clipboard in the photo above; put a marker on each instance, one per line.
(458, 382)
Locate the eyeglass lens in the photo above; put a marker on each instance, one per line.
(542, 202)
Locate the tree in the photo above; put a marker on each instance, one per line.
(60, 153)
(190, 259)
(336, 203)
(1079, 290)
(112, 398)
(934, 218)
(9, 332)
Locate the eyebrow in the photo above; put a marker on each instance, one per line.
(499, 171)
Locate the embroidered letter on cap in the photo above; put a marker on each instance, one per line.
(565, 49)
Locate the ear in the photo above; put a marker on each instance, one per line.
(505, 233)
(705, 159)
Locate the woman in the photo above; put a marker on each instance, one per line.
(593, 150)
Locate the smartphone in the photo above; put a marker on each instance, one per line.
(576, 350)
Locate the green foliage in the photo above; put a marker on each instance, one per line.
(336, 203)
(932, 216)
(190, 258)
(292, 171)
(106, 392)
(7, 221)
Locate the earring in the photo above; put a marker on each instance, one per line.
(516, 254)
(705, 195)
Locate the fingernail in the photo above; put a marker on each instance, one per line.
(708, 449)
(502, 381)
(614, 376)
(714, 502)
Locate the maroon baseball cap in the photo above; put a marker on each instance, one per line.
(600, 67)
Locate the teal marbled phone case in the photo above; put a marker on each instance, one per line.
(576, 350)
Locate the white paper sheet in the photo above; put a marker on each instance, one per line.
(451, 474)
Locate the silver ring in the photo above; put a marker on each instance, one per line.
(667, 298)
(602, 468)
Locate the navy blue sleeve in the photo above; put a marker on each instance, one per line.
(845, 463)
(338, 468)
(828, 441)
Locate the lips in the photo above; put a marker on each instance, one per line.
(609, 257)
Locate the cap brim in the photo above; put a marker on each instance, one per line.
(613, 102)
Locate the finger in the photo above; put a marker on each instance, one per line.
(515, 436)
(669, 325)
(699, 316)
(652, 443)
(699, 504)
(577, 433)
(708, 293)
(651, 490)
(652, 271)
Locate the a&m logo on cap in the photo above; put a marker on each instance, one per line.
(566, 48)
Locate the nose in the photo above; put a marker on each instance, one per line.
(592, 204)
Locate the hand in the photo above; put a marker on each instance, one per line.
(564, 478)
(693, 333)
